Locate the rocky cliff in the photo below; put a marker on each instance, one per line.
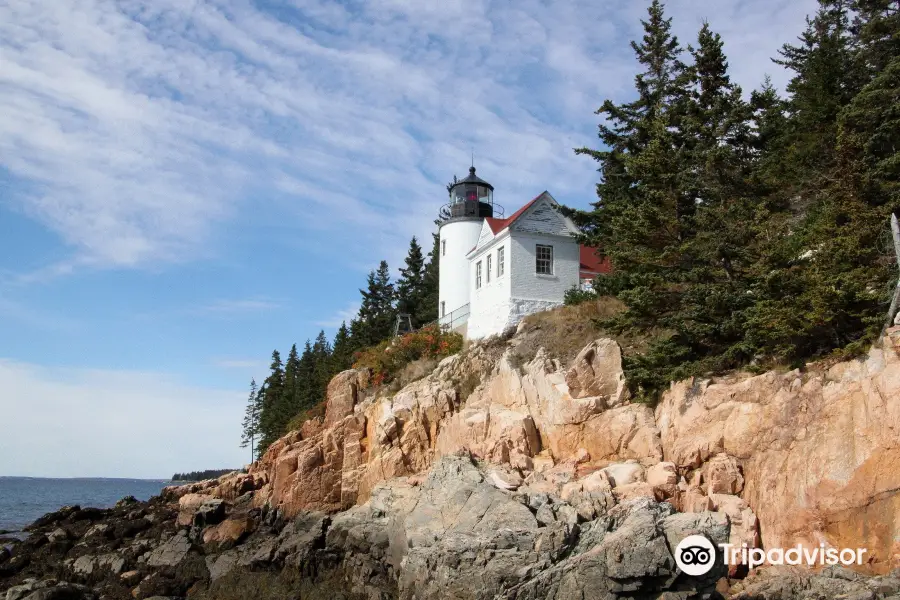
(805, 457)
(494, 477)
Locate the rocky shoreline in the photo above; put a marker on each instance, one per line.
(456, 533)
(489, 479)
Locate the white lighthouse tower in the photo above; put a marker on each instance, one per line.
(461, 220)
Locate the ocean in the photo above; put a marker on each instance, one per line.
(24, 499)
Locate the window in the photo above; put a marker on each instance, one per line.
(488, 269)
(500, 262)
(544, 263)
(478, 275)
(443, 247)
(443, 309)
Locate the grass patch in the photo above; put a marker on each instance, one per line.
(564, 331)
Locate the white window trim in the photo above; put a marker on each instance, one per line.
(443, 247)
(537, 249)
(443, 309)
(478, 275)
(501, 262)
(488, 266)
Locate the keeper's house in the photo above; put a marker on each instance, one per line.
(494, 270)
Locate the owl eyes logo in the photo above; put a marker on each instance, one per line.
(695, 555)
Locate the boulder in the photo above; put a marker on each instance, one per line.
(88, 565)
(230, 530)
(721, 475)
(620, 474)
(663, 478)
(188, 505)
(597, 371)
(171, 552)
(209, 513)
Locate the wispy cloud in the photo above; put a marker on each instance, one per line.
(140, 127)
(236, 307)
(241, 364)
(341, 316)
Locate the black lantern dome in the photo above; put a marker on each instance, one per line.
(472, 197)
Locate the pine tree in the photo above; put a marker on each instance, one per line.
(428, 307)
(250, 424)
(377, 316)
(411, 284)
(876, 28)
(817, 275)
(715, 154)
(321, 353)
(306, 373)
(272, 416)
(637, 217)
(342, 350)
(293, 383)
(824, 82)
(644, 215)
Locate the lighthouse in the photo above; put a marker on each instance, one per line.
(461, 220)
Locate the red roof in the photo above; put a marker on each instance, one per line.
(498, 225)
(593, 263)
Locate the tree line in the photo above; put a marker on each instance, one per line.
(201, 475)
(749, 230)
(296, 386)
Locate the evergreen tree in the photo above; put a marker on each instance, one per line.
(819, 281)
(293, 384)
(342, 350)
(322, 371)
(377, 316)
(715, 162)
(644, 215)
(876, 28)
(824, 82)
(273, 415)
(428, 307)
(411, 284)
(250, 425)
(307, 371)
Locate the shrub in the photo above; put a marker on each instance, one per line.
(576, 295)
(388, 359)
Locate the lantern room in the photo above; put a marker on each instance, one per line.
(470, 197)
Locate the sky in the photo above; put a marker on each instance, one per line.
(186, 185)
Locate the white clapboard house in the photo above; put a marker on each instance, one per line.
(494, 270)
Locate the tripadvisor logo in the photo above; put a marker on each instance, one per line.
(695, 555)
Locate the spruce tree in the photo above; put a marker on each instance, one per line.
(273, 417)
(818, 280)
(824, 81)
(342, 350)
(377, 316)
(250, 424)
(644, 215)
(411, 284)
(321, 353)
(293, 384)
(428, 307)
(307, 370)
(715, 158)
(876, 27)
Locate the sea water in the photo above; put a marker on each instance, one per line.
(24, 499)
